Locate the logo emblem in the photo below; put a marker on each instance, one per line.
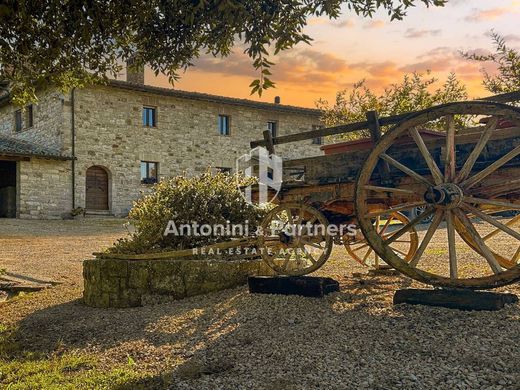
(263, 168)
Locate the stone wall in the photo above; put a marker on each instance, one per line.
(48, 121)
(44, 188)
(110, 134)
(131, 283)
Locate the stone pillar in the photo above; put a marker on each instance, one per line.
(134, 73)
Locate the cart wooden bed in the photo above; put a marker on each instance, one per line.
(467, 179)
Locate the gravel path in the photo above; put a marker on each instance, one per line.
(53, 249)
(353, 339)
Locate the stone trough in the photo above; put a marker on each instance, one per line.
(131, 283)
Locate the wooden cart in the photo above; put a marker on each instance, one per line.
(467, 178)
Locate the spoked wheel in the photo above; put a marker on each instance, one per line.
(506, 256)
(385, 225)
(466, 178)
(294, 240)
(420, 210)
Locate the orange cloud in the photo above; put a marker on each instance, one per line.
(348, 23)
(486, 15)
(306, 74)
(445, 59)
(381, 70)
(298, 67)
(376, 23)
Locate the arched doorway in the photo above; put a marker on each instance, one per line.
(96, 195)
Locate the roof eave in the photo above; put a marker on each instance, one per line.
(213, 98)
(40, 156)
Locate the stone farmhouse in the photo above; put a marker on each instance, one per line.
(101, 147)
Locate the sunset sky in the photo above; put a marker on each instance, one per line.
(352, 48)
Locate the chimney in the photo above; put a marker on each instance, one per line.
(277, 100)
(134, 73)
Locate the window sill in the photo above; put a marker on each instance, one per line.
(148, 184)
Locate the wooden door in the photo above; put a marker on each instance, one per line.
(96, 197)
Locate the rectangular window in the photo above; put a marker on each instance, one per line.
(18, 120)
(223, 125)
(29, 112)
(223, 169)
(272, 126)
(149, 117)
(149, 172)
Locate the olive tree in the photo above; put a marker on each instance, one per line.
(414, 92)
(507, 61)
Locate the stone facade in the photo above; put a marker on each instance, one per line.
(44, 188)
(131, 283)
(109, 133)
(48, 121)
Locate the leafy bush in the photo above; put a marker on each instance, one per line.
(210, 198)
(414, 92)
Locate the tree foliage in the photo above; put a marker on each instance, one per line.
(71, 43)
(507, 61)
(209, 198)
(415, 92)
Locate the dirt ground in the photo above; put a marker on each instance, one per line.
(54, 250)
(352, 339)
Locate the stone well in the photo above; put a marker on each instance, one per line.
(130, 283)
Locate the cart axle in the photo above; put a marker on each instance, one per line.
(448, 195)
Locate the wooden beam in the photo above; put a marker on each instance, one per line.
(455, 299)
(375, 132)
(348, 128)
(504, 97)
(14, 158)
(356, 126)
(268, 139)
(373, 126)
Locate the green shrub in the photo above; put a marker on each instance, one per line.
(210, 198)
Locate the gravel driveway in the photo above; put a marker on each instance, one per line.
(234, 340)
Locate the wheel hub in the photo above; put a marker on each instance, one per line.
(447, 195)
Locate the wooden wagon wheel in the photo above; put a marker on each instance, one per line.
(507, 258)
(359, 249)
(457, 180)
(293, 239)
